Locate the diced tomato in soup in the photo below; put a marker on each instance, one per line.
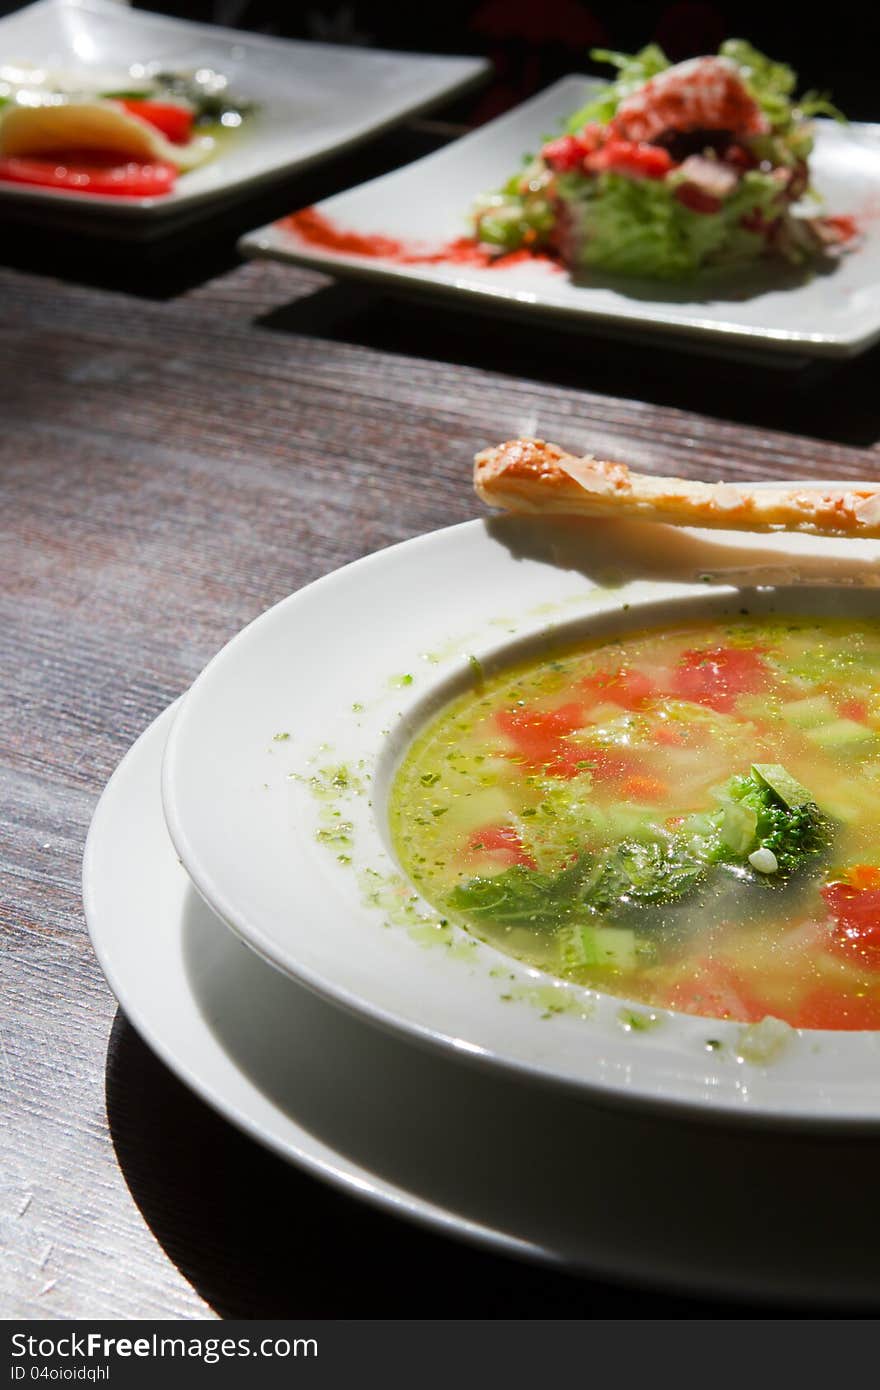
(503, 843)
(629, 689)
(715, 676)
(856, 915)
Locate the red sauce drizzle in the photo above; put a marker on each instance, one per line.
(845, 225)
(313, 227)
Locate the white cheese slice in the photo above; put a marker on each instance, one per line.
(101, 126)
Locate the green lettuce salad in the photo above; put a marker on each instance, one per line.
(670, 169)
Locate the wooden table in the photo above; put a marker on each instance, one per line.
(185, 440)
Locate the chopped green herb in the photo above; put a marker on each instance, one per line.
(477, 668)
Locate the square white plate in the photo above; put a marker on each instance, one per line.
(426, 205)
(314, 99)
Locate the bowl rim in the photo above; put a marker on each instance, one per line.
(713, 1105)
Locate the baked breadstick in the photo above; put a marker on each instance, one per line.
(528, 475)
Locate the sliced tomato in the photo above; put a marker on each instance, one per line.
(629, 689)
(632, 157)
(715, 991)
(714, 676)
(88, 172)
(567, 152)
(856, 914)
(669, 737)
(863, 876)
(538, 733)
(853, 709)
(827, 1007)
(604, 764)
(541, 738)
(567, 760)
(175, 122)
(609, 764)
(641, 787)
(564, 154)
(504, 844)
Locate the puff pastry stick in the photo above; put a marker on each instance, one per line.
(529, 475)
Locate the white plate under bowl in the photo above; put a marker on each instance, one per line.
(464, 1152)
(314, 99)
(426, 204)
(344, 673)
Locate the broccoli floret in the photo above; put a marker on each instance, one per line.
(794, 833)
(794, 836)
(647, 882)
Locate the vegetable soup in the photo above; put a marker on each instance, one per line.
(685, 817)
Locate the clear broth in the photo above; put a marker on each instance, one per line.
(626, 747)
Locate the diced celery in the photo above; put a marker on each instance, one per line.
(738, 826)
(808, 713)
(841, 734)
(687, 712)
(786, 787)
(486, 806)
(844, 808)
(603, 714)
(698, 823)
(611, 947)
(571, 946)
(631, 822)
(758, 707)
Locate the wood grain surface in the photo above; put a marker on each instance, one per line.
(184, 441)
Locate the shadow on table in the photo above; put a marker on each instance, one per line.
(190, 249)
(821, 398)
(258, 1238)
(156, 271)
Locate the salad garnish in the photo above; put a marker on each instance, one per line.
(673, 168)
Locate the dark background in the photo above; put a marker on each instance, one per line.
(532, 42)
